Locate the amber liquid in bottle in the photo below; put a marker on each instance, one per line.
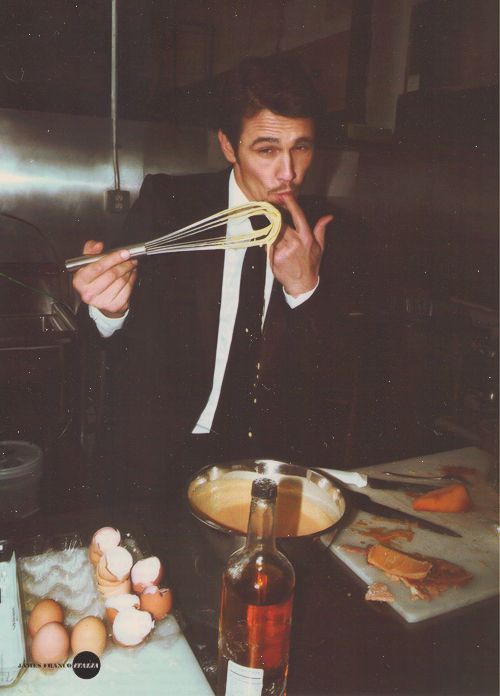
(256, 608)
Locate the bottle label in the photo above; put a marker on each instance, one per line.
(243, 681)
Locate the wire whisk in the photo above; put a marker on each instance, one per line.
(192, 237)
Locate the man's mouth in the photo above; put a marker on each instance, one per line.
(281, 195)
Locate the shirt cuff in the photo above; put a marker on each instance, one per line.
(293, 302)
(106, 325)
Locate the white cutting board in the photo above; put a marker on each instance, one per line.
(476, 551)
(163, 664)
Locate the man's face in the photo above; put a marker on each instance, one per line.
(274, 153)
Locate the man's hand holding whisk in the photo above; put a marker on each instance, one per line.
(107, 283)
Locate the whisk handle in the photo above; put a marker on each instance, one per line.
(79, 261)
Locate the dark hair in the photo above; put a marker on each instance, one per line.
(278, 83)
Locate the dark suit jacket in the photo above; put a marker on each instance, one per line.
(161, 363)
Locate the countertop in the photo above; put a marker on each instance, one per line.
(340, 644)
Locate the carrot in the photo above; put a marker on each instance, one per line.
(454, 498)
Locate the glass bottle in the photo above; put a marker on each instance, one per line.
(256, 607)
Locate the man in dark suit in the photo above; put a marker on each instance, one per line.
(193, 379)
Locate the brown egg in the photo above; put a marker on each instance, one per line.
(89, 634)
(44, 612)
(157, 602)
(50, 644)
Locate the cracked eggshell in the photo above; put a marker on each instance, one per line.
(94, 556)
(115, 565)
(107, 583)
(146, 572)
(131, 627)
(116, 603)
(104, 539)
(113, 590)
(157, 601)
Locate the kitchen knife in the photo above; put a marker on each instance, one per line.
(353, 478)
(391, 484)
(363, 502)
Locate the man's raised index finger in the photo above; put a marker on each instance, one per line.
(298, 217)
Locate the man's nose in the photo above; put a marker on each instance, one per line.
(286, 170)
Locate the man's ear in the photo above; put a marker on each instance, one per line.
(226, 147)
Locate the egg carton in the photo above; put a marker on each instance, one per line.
(12, 643)
(58, 567)
(164, 661)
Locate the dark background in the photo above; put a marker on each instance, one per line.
(407, 156)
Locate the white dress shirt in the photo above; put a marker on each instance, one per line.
(233, 262)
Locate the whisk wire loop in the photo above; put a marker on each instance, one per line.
(190, 238)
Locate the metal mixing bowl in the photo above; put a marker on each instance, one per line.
(310, 505)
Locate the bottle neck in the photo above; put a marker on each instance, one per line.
(261, 524)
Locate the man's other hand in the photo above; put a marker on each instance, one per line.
(107, 283)
(296, 255)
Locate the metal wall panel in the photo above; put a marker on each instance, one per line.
(55, 170)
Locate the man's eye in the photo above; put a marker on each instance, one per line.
(303, 148)
(266, 151)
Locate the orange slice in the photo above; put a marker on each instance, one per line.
(452, 498)
(396, 563)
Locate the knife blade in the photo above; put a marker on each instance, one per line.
(394, 485)
(353, 478)
(364, 502)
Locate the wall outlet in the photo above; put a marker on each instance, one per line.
(117, 201)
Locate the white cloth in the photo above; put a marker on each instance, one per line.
(233, 262)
